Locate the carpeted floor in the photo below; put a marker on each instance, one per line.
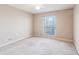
(39, 46)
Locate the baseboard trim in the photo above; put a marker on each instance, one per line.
(63, 39)
(57, 38)
(76, 48)
(2, 45)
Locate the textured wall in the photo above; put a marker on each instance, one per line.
(14, 24)
(64, 23)
(76, 27)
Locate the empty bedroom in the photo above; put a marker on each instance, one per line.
(39, 29)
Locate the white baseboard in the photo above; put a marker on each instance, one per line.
(58, 38)
(13, 41)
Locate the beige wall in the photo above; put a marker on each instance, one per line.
(76, 27)
(14, 24)
(64, 26)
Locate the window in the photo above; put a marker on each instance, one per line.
(49, 23)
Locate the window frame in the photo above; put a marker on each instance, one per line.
(53, 26)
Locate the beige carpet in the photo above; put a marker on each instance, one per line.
(39, 46)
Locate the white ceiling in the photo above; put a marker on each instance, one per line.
(44, 7)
